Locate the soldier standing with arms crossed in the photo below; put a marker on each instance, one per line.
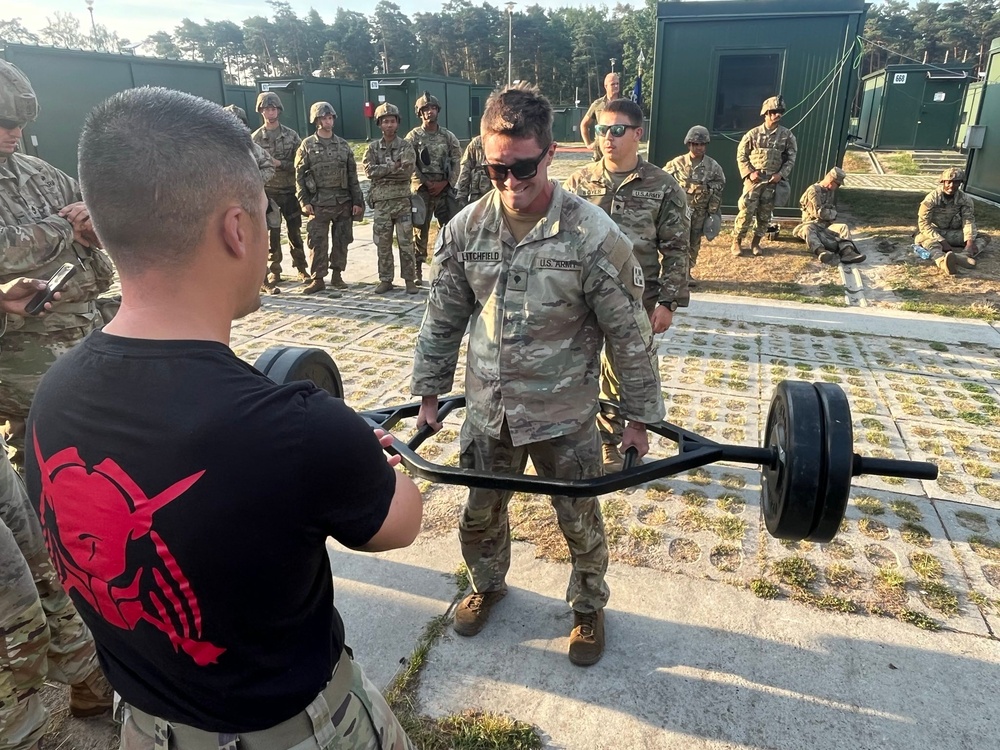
(542, 277)
(649, 206)
(326, 178)
(389, 164)
(439, 158)
(612, 88)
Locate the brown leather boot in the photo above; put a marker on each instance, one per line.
(316, 285)
(269, 287)
(825, 256)
(586, 640)
(383, 287)
(736, 249)
(411, 286)
(946, 263)
(474, 610)
(755, 246)
(612, 458)
(92, 697)
(964, 260)
(337, 281)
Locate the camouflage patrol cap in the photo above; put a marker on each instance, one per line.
(773, 103)
(427, 99)
(386, 110)
(321, 109)
(836, 174)
(239, 112)
(268, 99)
(952, 174)
(697, 134)
(17, 98)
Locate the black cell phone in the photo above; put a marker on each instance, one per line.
(55, 283)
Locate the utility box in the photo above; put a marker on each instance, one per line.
(984, 162)
(455, 95)
(913, 106)
(566, 124)
(69, 83)
(970, 107)
(716, 62)
(299, 94)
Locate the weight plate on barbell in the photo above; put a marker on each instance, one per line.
(286, 364)
(838, 447)
(789, 487)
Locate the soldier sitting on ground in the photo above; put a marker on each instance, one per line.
(946, 224)
(830, 242)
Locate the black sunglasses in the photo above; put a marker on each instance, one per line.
(616, 130)
(11, 124)
(523, 169)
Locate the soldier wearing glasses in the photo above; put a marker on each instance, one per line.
(539, 277)
(651, 209)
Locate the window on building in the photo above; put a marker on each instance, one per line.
(745, 80)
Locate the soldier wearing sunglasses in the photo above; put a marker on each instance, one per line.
(539, 278)
(650, 207)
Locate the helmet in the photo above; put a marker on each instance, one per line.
(17, 98)
(426, 100)
(697, 134)
(386, 110)
(952, 174)
(268, 99)
(836, 174)
(321, 109)
(239, 112)
(773, 103)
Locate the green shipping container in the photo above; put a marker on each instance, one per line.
(477, 102)
(299, 94)
(455, 95)
(984, 160)
(244, 97)
(716, 62)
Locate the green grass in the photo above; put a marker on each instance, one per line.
(901, 162)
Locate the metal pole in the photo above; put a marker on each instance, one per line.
(510, 40)
(93, 26)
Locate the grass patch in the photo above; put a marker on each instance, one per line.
(985, 547)
(730, 503)
(795, 571)
(839, 549)
(906, 510)
(763, 589)
(873, 529)
(973, 521)
(900, 162)
(730, 528)
(726, 557)
(915, 534)
(842, 576)
(919, 619)
(695, 498)
(869, 505)
(926, 566)
(828, 602)
(939, 597)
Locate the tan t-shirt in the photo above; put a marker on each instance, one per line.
(520, 223)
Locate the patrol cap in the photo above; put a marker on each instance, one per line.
(773, 103)
(17, 98)
(321, 109)
(386, 110)
(427, 99)
(268, 99)
(952, 174)
(697, 134)
(836, 174)
(239, 112)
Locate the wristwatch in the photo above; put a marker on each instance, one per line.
(672, 305)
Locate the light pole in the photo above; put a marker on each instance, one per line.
(93, 26)
(510, 38)
(613, 61)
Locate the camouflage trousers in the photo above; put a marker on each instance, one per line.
(698, 217)
(390, 214)
(953, 237)
(835, 237)
(288, 205)
(41, 634)
(326, 253)
(439, 207)
(756, 205)
(350, 714)
(24, 358)
(484, 528)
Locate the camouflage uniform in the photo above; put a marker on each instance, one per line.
(819, 211)
(473, 182)
(650, 208)
(326, 177)
(439, 157)
(769, 152)
(281, 144)
(41, 634)
(703, 182)
(389, 196)
(950, 219)
(594, 111)
(35, 241)
(538, 311)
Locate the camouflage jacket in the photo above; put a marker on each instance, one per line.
(473, 182)
(387, 180)
(264, 164)
(939, 213)
(766, 151)
(703, 182)
(35, 241)
(538, 312)
(439, 156)
(281, 144)
(818, 205)
(650, 207)
(326, 173)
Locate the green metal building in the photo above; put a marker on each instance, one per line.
(455, 94)
(984, 138)
(244, 97)
(299, 94)
(716, 62)
(970, 108)
(913, 106)
(69, 83)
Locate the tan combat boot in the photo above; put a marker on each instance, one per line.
(411, 286)
(586, 640)
(337, 281)
(736, 249)
(474, 610)
(964, 260)
(91, 697)
(316, 285)
(755, 246)
(383, 287)
(612, 458)
(268, 287)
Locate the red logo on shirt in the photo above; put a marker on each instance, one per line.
(90, 518)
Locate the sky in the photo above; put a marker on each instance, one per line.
(137, 19)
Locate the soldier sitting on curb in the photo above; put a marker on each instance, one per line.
(830, 242)
(946, 224)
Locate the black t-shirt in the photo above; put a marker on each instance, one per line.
(186, 501)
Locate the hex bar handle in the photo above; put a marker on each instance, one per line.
(888, 467)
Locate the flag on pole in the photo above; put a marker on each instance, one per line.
(637, 89)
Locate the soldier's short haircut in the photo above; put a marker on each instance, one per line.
(518, 111)
(626, 107)
(154, 165)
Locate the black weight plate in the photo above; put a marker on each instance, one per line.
(789, 489)
(838, 445)
(266, 360)
(302, 363)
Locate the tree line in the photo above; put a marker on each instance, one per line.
(566, 51)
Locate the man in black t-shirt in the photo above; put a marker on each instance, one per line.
(201, 570)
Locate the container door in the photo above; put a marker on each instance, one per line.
(939, 115)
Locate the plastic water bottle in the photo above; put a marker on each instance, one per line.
(922, 252)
